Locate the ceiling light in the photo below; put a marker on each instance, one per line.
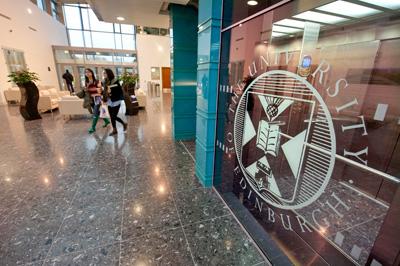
(284, 29)
(240, 25)
(291, 23)
(277, 34)
(320, 17)
(252, 3)
(348, 9)
(391, 4)
(120, 18)
(29, 10)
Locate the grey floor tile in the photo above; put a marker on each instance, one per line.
(88, 227)
(221, 242)
(160, 248)
(149, 214)
(27, 240)
(104, 256)
(198, 205)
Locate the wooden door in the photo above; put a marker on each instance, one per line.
(166, 77)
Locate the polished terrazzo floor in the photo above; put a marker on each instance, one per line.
(69, 198)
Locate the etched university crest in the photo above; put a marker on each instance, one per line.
(287, 166)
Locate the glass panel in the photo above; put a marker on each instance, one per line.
(128, 42)
(235, 11)
(103, 40)
(72, 17)
(88, 38)
(85, 18)
(117, 27)
(97, 25)
(41, 4)
(118, 41)
(76, 38)
(127, 29)
(308, 131)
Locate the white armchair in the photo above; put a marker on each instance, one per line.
(47, 102)
(72, 105)
(141, 97)
(12, 95)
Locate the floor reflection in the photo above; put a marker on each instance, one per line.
(67, 197)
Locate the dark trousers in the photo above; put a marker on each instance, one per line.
(70, 87)
(114, 116)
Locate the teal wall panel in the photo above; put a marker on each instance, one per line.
(209, 28)
(184, 71)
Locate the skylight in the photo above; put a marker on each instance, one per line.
(391, 4)
(291, 23)
(284, 29)
(320, 17)
(348, 9)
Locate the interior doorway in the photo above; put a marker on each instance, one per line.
(166, 79)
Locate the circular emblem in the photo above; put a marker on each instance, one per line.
(284, 139)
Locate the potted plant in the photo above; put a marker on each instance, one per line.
(29, 93)
(129, 82)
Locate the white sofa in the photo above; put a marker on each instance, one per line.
(49, 99)
(71, 105)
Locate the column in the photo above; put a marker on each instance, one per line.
(207, 81)
(183, 71)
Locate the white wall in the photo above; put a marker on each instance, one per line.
(36, 45)
(153, 51)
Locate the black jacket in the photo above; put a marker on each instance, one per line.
(68, 77)
(113, 91)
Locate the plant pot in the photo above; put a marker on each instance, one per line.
(29, 101)
(132, 107)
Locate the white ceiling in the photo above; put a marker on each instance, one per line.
(136, 12)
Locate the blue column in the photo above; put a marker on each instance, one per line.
(209, 29)
(183, 71)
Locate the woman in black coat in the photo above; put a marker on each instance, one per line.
(114, 95)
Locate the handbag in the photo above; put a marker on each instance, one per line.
(104, 111)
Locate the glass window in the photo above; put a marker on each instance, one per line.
(85, 18)
(308, 130)
(88, 38)
(118, 41)
(54, 11)
(103, 40)
(128, 42)
(97, 25)
(72, 17)
(117, 27)
(76, 38)
(127, 29)
(41, 4)
(234, 11)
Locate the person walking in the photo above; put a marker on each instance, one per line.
(69, 79)
(93, 87)
(114, 95)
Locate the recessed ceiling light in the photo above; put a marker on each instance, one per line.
(29, 10)
(391, 4)
(252, 3)
(320, 17)
(240, 25)
(120, 18)
(291, 23)
(348, 9)
(284, 29)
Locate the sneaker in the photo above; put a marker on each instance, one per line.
(92, 130)
(125, 127)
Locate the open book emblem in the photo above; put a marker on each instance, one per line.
(286, 166)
